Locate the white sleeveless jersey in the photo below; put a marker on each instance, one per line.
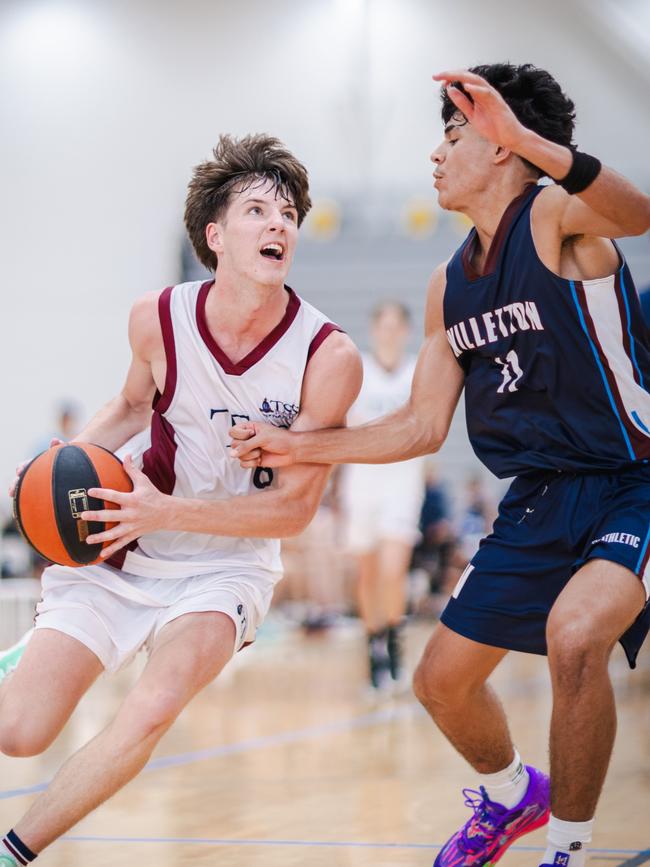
(204, 395)
(383, 390)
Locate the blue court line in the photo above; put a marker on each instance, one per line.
(331, 844)
(385, 715)
(376, 717)
(641, 858)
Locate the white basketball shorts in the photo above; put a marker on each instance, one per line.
(115, 614)
(382, 502)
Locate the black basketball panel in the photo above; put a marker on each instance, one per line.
(72, 475)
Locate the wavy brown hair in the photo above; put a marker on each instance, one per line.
(236, 165)
(535, 97)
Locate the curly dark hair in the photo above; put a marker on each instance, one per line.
(236, 165)
(534, 96)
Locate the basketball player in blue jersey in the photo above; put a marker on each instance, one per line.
(537, 318)
(198, 581)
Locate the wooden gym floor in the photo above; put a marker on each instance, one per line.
(285, 761)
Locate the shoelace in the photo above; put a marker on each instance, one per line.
(483, 820)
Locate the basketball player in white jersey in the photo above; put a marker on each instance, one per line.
(382, 503)
(202, 559)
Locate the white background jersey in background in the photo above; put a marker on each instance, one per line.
(382, 392)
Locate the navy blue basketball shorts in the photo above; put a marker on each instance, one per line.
(549, 525)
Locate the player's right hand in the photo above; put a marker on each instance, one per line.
(20, 469)
(261, 445)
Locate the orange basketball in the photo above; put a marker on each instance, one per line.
(53, 491)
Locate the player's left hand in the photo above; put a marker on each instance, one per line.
(489, 113)
(141, 511)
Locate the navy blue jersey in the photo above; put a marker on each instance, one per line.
(556, 371)
(644, 297)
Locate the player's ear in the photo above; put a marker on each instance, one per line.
(501, 154)
(213, 237)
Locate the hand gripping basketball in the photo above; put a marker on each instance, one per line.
(52, 494)
(141, 510)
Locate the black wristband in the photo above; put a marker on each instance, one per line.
(583, 172)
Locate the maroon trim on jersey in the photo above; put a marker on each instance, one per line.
(162, 401)
(640, 442)
(117, 559)
(324, 331)
(498, 240)
(263, 346)
(158, 460)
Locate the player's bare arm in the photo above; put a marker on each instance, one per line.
(331, 385)
(417, 428)
(610, 207)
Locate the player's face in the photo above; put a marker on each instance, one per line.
(257, 237)
(464, 162)
(390, 331)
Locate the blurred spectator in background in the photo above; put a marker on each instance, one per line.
(382, 503)
(66, 425)
(313, 588)
(476, 518)
(16, 555)
(437, 552)
(17, 559)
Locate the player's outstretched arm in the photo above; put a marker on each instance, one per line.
(610, 207)
(417, 428)
(130, 412)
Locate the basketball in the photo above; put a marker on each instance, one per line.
(51, 494)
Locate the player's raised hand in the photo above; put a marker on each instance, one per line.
(261, 445)
(487, 111)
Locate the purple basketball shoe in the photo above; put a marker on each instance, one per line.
(486, 836)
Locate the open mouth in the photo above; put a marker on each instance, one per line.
(273, 251)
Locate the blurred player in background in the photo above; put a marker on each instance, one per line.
(382, 504)
(196, 577)
(537, 318)
(476, 517)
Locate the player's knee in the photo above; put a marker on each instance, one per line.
(575, 646)
(435, 686)
(20, 740)
(148, 716)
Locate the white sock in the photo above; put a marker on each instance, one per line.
(566, 843)
(507, 787)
